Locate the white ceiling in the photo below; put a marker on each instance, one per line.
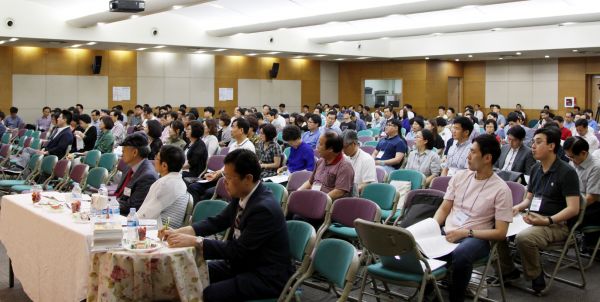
(347, 28)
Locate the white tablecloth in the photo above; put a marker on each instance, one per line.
(50, 253)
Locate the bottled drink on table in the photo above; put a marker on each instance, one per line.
(36, 193)
(114, 212)
(132, 223)
(76, 194)
(105, 212)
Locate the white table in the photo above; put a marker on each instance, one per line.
(50, 253)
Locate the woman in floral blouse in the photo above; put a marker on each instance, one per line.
(269, 151)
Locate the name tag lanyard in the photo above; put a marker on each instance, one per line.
(476, 197)
(541, 193)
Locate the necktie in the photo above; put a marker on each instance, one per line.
(125, 182)
(236, 222)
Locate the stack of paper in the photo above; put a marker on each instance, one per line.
(428, 235)
(517, 225)
(107, 236)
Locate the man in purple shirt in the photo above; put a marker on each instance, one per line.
(43, 123)
(301, 154)
(13, 120)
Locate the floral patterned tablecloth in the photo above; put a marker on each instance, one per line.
(166, 274)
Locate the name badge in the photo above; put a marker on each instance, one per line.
(380, 154)
(316, 186)
(536, 204)
(460, 217)
(127, 192)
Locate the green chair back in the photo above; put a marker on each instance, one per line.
(96, 177)
(91, 158)
(48, 164)
(108, 161)
(287, 151)
(208, 208)
(367, 132)
(333, 259)
(415, 177)
(36, 144)
(301, 235)
(532, 123)
(278, 190)
(34, 161)
(36, 134)
(376, 131)
(380, 193)
(280, 137)
(28, 133)
(21, 142)
(371, 143)
(403, 130)
(6, 137)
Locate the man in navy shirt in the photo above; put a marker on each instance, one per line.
(311, 137)
(301, 154)
(391, 150)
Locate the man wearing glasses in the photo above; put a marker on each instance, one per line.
(390, 151)
(311, 137)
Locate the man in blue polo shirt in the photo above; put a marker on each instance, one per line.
(390, 151)
(311, 137)
(301, 154)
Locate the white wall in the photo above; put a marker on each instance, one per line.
(329, 82)
(531, 83)
(175, 78)
(255, 93)
(32, 92)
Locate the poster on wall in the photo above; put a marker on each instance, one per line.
(225, 94)
(121, 93)
(569, 101)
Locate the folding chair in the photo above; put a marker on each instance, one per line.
(91, 158)
(297, 179)
(345, 210)
(109, 161)
(487, 262)
(77, 175)
(518, 191)
(386, 197)
(416, 178)
(223, 151)
(215, 162)
(367, 133)
(302, 238)
(313, 205)
(440, 183)
(49, 170)
(364, 139)
(221, 192)
(21, 177)
(94, 179)
(279, 192)
(371, 143)
(209, 208)
(381, 174)
(368, 149)
(189, 210)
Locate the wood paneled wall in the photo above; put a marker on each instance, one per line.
(228, 69)
(119, 66)
(424, 83)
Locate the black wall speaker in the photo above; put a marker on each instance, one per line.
(274, 70)
(97, 65)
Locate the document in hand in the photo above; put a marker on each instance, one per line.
(517, 225)
(277, 178)
(429, 236)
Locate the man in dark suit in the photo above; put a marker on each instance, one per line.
(515, 156)
(136, 182)
(255, 262)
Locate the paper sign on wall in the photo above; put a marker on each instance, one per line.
(121, 93)
(225, 94)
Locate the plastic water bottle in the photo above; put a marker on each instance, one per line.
(132, 223)
(105, 212)
(76, 193)
(114, 212)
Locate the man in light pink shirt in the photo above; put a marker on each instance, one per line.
(477, 209)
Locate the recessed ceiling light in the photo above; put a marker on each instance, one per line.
(2, 42)
(252, 54)
(362, 58)
(426, 58)
(500, 58)
(220, 49)
(320, 56)
(546, 56)
(436, 34)
(470, 56)
(497, 29)
(141, 49)
(456, 60)
(100, 23)
(13, 39)
(91, 43)
(159, 46)
(339, 59)
(215, 5)
(392, 16)
(298, 57)
(575, 50)
(134, 17)
(176, 7)
(518, 53)
(566, 23)
(384, 38)
(272, 53)
(76, 45)
(200, 51)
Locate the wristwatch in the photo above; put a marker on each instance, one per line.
(550, 221)
(470, 234)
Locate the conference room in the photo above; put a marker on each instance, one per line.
(279, 150)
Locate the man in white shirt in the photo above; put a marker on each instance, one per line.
(478, 113)
(166, 121)
(118, 129)
(239, 135)
(275, 119)
(167, 198)
(362, 163)
(582, 129)
(442, 129)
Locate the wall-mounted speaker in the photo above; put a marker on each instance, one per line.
(274, 70)
(97, 65)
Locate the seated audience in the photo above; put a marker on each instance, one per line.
(390, 151)
(167, 197)
(564, 132)
(491, 127)
(166, 121)
(269, 151)
(118, 130)
(106, 141)
(136, 182)
(416, 125)
(224, 134)
(301, 154)
(476, 210)
(438, 143)
(515, 156)
(582, 129)
(423, 158)
(43, 123)
(311, 137)
(254, 263)
(239, 135)
(362, 162)
(253, 130)
(196, 154)
(275, 119)
(333, 174)
(347, 122)
(88, 136)
(13, 121)
(552, 200)
(209, 137)
(153, 129)
(458, 151)
(330, 123)
(176, 135)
